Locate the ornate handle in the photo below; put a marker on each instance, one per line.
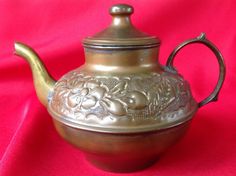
(202, 39)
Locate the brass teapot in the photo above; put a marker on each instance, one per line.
(121, 108)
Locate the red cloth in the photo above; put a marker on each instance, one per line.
(29, 144)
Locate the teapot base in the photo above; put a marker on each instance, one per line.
(121, 165)
(122, 152)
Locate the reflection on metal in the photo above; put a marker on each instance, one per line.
(110, 101)
(121, 108)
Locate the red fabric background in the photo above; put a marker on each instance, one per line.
(29, 144)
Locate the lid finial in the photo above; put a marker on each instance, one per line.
(121, 33)
(121, 9)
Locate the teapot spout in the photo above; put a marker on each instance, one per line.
(43, 82)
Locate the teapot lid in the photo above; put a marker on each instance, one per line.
(121, 33)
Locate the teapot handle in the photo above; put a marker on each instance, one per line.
(202, 39)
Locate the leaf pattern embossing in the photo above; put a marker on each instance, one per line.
(80, 95)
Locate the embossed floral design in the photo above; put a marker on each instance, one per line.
(80, 95)
(85, 95)
(90, 94)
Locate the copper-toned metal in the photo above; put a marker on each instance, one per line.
(43, 81)
(121, 108)
(202, 39)
(122, 104)
(122, 152)
(121, 34)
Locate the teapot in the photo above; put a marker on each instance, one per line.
(122, 109)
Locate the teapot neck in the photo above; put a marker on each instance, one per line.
(122, 61)
(121, 21)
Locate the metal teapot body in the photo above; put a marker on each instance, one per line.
(122, 108)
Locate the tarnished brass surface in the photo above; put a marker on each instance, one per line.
(122, 103)
(121, 108)
(203, 40)
(122, 61)
(122, 88)
(122, 152)
(121, 33)
(43, 82)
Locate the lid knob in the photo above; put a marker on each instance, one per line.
(121, 9)
(121, 33)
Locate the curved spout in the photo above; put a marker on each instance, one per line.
(43, 82)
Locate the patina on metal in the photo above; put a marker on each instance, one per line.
(43, 81)
(121, 108)
(202, 39)
(121, 34)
